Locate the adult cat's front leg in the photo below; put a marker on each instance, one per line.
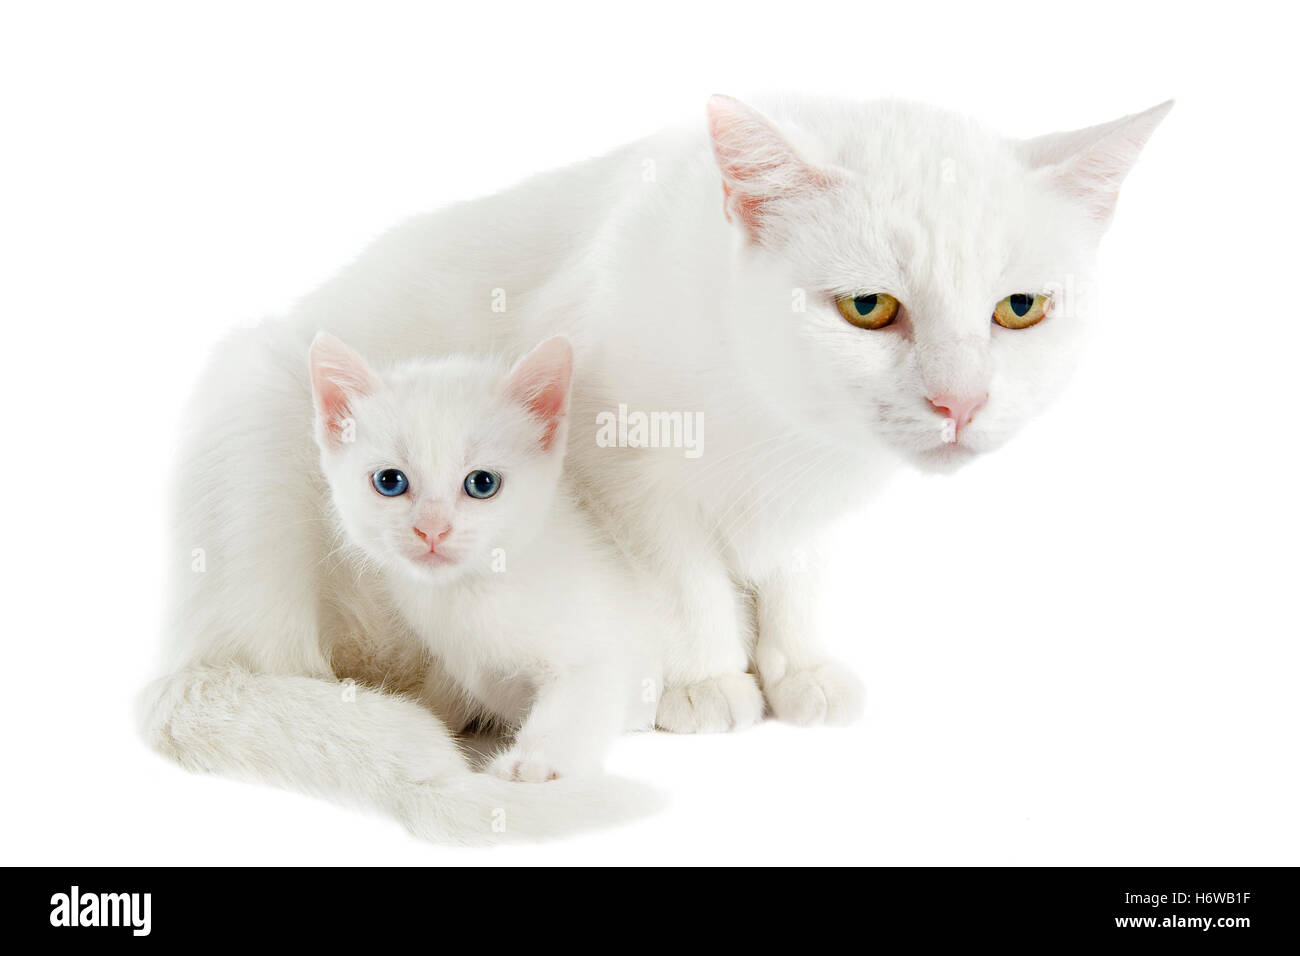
(802, 684)
(706, 685)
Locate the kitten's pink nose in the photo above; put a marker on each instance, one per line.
(960, 408)
(431, 531)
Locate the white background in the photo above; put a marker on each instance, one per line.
(1080, 650)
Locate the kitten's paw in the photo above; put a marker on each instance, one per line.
(715, 705)
(827, 693)
(525, 767)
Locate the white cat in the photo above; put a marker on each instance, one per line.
(830, 287)
(446, 475)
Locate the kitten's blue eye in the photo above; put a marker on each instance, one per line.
(390, 482)
(482, 484)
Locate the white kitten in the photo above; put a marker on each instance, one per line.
(447, 475)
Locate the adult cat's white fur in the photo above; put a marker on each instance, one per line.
(683, 289)
(538, 622)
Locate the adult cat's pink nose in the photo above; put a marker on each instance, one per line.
(960, 408)
(431, 531)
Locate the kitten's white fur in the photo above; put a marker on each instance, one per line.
(682, 290)
(537, 621)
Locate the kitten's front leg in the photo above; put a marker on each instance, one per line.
(576, 717)
(802, 684)
(448, 698)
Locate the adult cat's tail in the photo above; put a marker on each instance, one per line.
(362, 747)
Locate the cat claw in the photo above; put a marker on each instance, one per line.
(826, 693)
(713, 705)
(511, 766)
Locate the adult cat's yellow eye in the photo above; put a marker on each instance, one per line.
(873, 311)
(1021, 310)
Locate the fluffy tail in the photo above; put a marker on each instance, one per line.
(362, 747)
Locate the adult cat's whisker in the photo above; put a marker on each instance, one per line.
(729, 517)
(756, 475)
(714, 464)
(794, 499)
(787, 440)
(725, 527)
(785, 482)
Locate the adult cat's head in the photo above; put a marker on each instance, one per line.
(907, 273)
(441, 466)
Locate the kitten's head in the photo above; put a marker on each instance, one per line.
(907, 274)
(441, 466)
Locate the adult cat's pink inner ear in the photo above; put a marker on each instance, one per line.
(541, 380)
(758, 164)
(338, 376)
(1090, 164)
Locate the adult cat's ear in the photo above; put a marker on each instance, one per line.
(338, 376)
(759, 166)
(540, 382)
(1090, 164)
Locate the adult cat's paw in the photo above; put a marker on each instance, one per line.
(826, 693)
(523, 766)
(715, 705)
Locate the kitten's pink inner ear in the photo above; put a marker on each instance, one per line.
(540, 381)
(758, 164)
(338, 376)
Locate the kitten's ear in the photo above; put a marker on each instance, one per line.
(338, 376)
(1090, 164)
(540, 382)
(759, 166)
